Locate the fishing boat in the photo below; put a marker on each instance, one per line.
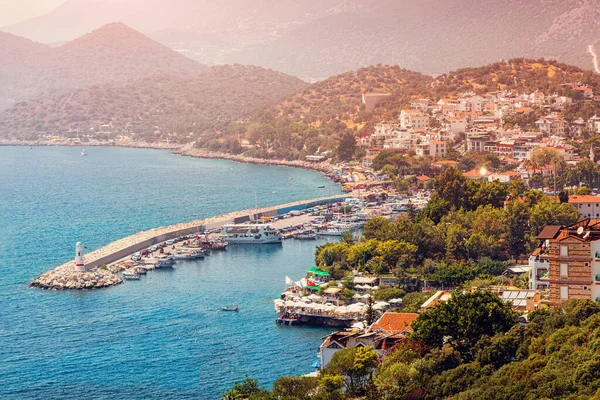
(131, 276)
(306, 236)
(230, 308)
(333, 231)
(187, 255)
(84, 152)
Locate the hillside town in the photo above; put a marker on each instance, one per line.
(481, 123)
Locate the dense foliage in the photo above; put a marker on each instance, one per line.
(485, 356)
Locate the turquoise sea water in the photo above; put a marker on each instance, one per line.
(163, 337)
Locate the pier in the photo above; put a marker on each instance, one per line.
(94, 275)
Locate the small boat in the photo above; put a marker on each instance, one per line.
(131, 276)
(165, 261)
(140, 270)
(230, 308)
(29, 147)
(83, 152)
(306, 236)
(321, 187)
(218, 245)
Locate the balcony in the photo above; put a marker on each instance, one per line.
(597, 255)
(597, 278)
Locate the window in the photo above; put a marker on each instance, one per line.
(564, 251)
(564, 292)
(564, 270)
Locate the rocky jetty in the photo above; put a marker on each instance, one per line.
(66, 278)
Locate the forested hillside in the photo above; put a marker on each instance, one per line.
(159, 107)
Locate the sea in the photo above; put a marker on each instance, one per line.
(164, 336)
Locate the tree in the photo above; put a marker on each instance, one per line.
(346, 147)
(549, 212)
(295, 387)
(464, 319)
(370, 313)
(581, 191)
(248, 389)
(450, 186)
(386, 294)
(355, 365)
(331, 387)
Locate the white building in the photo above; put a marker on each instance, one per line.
(414, 119)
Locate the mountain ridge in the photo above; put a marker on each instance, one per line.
(111, 53)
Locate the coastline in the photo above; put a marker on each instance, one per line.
(188, 150)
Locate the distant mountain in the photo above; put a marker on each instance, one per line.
(433, 36)
(19, 61)
(112, 53)
(158, 106)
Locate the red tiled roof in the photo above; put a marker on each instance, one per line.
(584, 199)
(392, 322)
(476, 173)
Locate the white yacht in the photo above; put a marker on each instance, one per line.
(251, 234)
(83, 152)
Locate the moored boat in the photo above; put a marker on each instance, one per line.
(306, 236)
(230, 308)
(251, 234)
(130, 276)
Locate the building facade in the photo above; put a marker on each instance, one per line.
(572, 257)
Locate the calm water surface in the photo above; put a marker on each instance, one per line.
(164, 336)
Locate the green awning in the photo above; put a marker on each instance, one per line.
(317, 271)
(313, 287)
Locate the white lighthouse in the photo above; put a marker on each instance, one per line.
(79, 265)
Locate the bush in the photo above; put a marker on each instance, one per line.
(388, 294)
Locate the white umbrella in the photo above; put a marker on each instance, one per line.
(357, 296)
(315, 297)
(317, 306)
(375, 287)
(358, 325)
(395, 301)
(342, 310)
(330, 306)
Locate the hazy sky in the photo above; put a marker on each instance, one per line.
(12, 11)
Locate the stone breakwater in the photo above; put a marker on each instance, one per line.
(103, 273)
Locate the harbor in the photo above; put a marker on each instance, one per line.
(102, 266)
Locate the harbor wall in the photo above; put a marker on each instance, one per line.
(310, 204)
